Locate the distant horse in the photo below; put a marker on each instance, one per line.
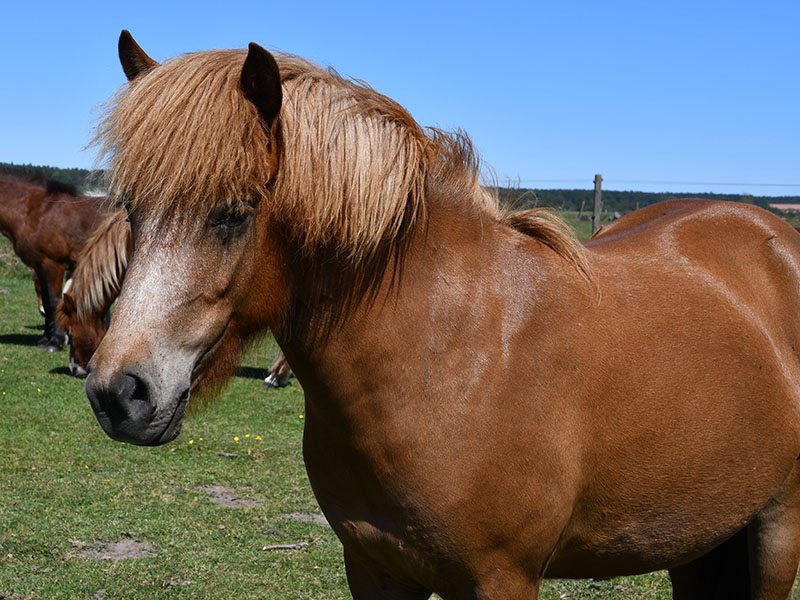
(48, 226)
(488, 403)
(84, 309)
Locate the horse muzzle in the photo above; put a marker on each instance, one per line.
(129, 409)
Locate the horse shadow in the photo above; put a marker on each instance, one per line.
(19, 339)
(251, 372)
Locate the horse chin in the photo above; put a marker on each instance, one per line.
(173, 428)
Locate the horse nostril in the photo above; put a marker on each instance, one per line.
(139, 392)
(134, 397)
(125, 397)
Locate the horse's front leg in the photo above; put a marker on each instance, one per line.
(51, 279)
(368, 585)
(496, 584)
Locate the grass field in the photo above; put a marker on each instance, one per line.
(84, 517)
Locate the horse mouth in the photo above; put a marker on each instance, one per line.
(173, 428)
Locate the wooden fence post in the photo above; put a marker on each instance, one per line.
(598, 203)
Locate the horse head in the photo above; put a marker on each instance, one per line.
(205, 267)
(84, 333)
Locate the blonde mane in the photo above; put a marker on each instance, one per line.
(354, 168)
(101, 265)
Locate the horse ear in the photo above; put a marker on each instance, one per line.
(65, 311)
(261, 82)
(134, 60)
(67, 303)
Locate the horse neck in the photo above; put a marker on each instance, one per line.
(429, 301)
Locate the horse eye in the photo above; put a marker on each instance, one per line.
(231, 221)
(231, 217)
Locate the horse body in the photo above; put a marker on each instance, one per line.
(487, 404)
(582, 475)
(48, 227)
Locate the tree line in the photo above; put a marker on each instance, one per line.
(82, 179)
(620, 202)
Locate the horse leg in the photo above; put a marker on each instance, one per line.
(722, 574)
(367, 585)
(51, 278)
(38, 289)
(774, 541)
(280, 373)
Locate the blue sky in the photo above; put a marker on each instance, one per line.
(682, 96)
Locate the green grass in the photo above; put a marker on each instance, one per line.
(66, 488)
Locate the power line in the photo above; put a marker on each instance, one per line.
(662, 182)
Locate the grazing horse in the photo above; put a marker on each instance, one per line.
(48, 226)
(83, 310)
(488, 403)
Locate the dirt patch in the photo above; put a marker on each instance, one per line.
(318, 518)
(122, 550)
(228, 497)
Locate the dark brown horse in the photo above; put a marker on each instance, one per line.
(487, 402)
(48, 226)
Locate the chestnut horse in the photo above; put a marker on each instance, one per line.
(48, 226)
(488, 403)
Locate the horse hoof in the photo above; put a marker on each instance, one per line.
(49, 345)
(273, 382)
